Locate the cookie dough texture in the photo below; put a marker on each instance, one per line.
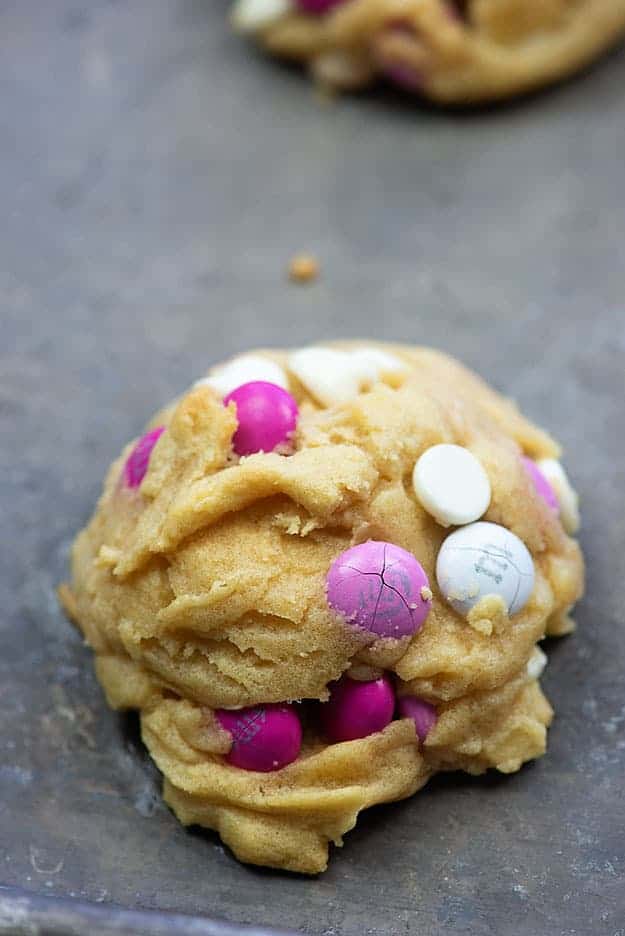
(453, 51)
(205, 588)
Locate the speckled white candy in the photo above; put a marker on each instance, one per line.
(242, 370)
(252, 15)
(451, 484)
(536, 664)
(567, 497)
(484, 559)
(333, 376)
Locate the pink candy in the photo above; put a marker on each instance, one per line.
(317, 6)
(422, 713)
(266, 414)
(380, 588)
(137, 462)
(540, 483)
(357, 709)
(264, 738)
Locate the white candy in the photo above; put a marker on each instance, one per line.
(325, 374)
(484, 559)
(249, 16)
(373, 362)
(242, 370)
(564, 491)
(334, 376)
(536, 664)
(451, 484)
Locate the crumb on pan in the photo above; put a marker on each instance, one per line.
(303, 268)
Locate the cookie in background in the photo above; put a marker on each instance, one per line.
(450, 51)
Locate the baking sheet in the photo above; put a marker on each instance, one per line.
(157, 176)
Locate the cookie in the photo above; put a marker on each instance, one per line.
(323, 584)
(452, 51)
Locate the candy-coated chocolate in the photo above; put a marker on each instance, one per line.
(137, 462)
(266, 416)
(380, 588)
(451, 484)
(542, 485)
(485, 559)
(264, 738)
(357, 709)
(422, 713)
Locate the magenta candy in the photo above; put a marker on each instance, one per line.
(357, 709)
(317, 7)
(137, 462)
(264, 738)
(422, 713)
(380, 588)
(267, 415)
(540, 483)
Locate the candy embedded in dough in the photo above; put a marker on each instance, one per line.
(242, 370)
(451, 485)
(565, 492)
(485, 559)
(333, 376)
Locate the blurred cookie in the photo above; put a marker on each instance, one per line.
(452, 51)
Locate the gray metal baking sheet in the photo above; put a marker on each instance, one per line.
(156, 177)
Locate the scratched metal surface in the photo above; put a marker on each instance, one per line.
(156, 177)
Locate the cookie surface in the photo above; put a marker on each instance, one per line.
(210, 583)
(452, 51)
